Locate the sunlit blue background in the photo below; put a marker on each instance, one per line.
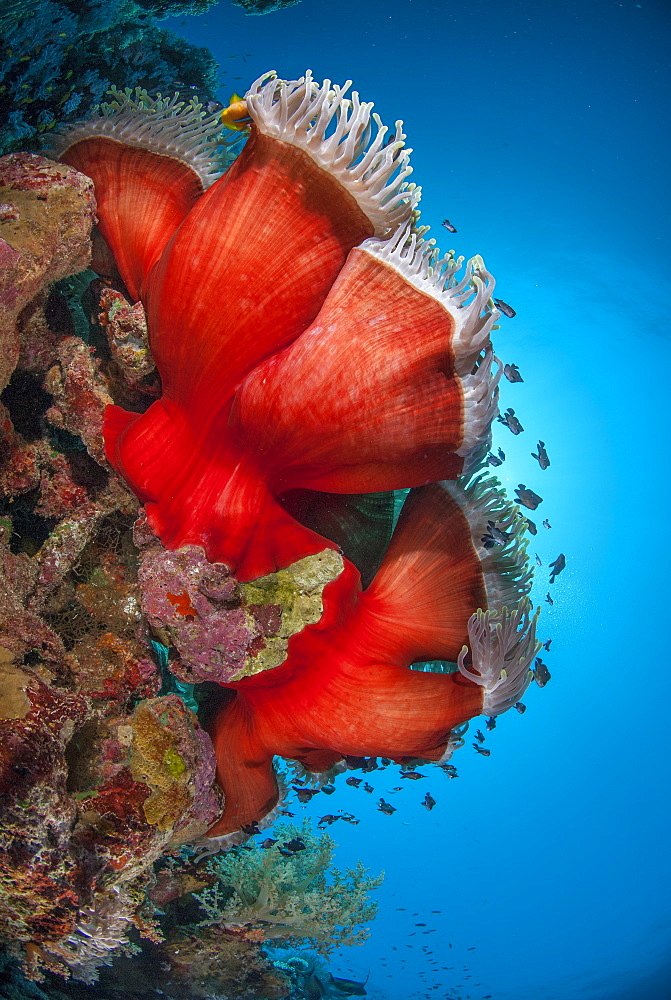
(541, 130)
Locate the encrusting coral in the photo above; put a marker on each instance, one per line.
(352, 359)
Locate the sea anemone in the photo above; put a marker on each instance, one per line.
(309, 338)
(305, 335)
(345, 687)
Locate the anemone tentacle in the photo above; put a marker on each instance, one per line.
(502, 646)
(167, 125)
(455, 742)
(505, 567)
(336, 132)
(467, 298)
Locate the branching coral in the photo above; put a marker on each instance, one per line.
(290, 895)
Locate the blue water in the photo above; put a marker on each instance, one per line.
(541, 130)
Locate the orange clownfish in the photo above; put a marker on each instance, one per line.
(235, 116)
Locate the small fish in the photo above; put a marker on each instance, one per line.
(485, 753)
(386, 807)
(520, 706)
(305, 794)
(349, 818)
(547, 644)
(511, 421)
(251, 829)
(531, 527)
(494, 460)
(548, 599)
(501, 536)
(505, 308)
(541, 673)
(479, 735)
(488, 540)
(214, 106)
(268, 843)
(539, 561)
(429, 802)
(420, 925)
(448, 225)
(512, 373)
(490, 723)
(328, 819)
(449, 770)
(527, 497)
(557, 566)
(368, 788)
(542, 456)
(328, 789)
(546, 523)
(413, 775)
(354, 782)
(294, 845)
(285, 812)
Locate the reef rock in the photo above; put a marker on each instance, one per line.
(220, 628)
(47, 211)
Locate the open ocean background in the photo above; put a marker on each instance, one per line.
(541, 131)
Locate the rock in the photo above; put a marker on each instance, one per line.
(47, 211)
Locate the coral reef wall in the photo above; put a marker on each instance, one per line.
(106, 774)
(58, 59)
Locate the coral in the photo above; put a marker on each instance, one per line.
(38, 872)
(105, 774)
(222, 629)
(174, 757)
(213, 963)
(80, 395)
(286, 893)
(126, 328)
(60, 58)
(45, 238)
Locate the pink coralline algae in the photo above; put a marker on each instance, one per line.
(220, 628)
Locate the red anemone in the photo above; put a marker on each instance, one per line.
(346, 687)
(294, 350)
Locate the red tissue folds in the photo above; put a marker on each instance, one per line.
(309, 338)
